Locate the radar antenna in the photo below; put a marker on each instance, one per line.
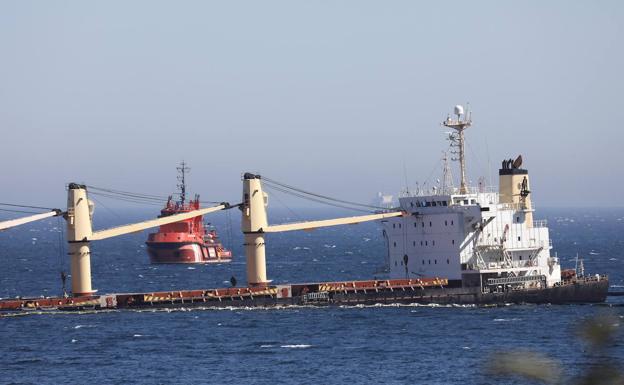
(183, 169)
(459, 124)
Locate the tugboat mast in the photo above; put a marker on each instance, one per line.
(182, 170)
(459, 124)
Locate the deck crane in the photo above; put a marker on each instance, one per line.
(31, 218)
(254, 225)
(80, 233)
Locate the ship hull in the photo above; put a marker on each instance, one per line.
(352, 293)
(184, 252)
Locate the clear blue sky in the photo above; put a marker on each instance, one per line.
(334, 97)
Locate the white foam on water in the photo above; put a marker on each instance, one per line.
(73, 341)
(137, 335)
(266, 346)
(297, 346)
(83, 326)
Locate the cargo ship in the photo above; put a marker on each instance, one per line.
(446, 245)
(187, 241)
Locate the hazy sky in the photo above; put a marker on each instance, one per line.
(335, 97)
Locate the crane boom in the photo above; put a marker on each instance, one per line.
(31, 218)
(126, 229)
(330, 222)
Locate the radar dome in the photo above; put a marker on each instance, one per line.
(459, 109)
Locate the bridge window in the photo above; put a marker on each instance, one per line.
(520, 257)
(432, 243)
(430, 261)
(414, 224)
(423, 224)
(452, 242)
(445, 223)
(433, 203)
(435, 262)
(394, 225)
(399, 225)
(421, 243)
(414, 243)
(451, 223)
(394, 244)
(426, 243)
(518, 238)
(423, 261)
(447, 261)
(430, 224)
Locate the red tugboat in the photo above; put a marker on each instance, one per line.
(188, 241)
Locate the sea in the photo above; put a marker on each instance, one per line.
(389, 344)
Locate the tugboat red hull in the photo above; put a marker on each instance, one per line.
(191, 252)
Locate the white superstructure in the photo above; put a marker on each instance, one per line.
(473, 236)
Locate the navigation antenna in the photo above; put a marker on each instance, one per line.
(459, 124)
(182, 178)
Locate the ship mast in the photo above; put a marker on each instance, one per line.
(459, 124)
(182, 170)
(447, 176)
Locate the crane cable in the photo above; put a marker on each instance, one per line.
(26, 206)
(285, 191)
(133, 197)
(322, 199)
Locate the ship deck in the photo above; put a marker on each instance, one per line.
(399, 291)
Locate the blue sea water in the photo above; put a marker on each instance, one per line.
(300, 345)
